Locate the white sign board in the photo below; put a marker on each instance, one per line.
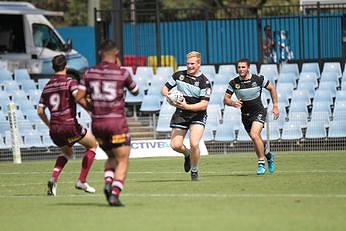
(152, 148)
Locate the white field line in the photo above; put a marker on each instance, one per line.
(180, 172)
(230, 173)
(192, 195)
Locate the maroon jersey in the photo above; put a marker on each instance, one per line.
(57, 96)
(105, 84)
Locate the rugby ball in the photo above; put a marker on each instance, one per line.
(175, 96)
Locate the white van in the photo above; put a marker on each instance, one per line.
(28, 40)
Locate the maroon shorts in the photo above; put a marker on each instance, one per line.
(111, 133)
(66, 134)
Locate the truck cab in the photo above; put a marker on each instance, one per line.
(28, 40)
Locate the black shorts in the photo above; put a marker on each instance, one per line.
(249, 118)
(183, 119)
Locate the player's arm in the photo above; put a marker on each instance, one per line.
(273, 94)
(227, 99)
(42, 114)
(164, 92)
(200, 106)
(80, 97)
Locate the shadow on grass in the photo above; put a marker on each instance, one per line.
(85, 204)
(163, 180)
(227, 175)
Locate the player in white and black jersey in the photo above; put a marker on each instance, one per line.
(248, 89)
(191, 113)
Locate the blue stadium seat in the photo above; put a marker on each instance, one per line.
(232, 115)
(225, 132)
(5, 75)
(21, 74)
(315, 130)
(155, 89)
(253, 69)
(27, 84)
(332, 67)
(4, 101)
(300, 96)
(285, 88)
(32, 139)
(163, 123)
(290, 68)
(151, 104)
(337, 129)
(311, 67)
(270, 71)
(291, 131)
(298, 106)
(11, 86)
(321, 107)
(320, 117)
(222, 79)
(298, 118)
(329, 86)
(208, 69)
(340, 95)
(214, 115)
(242, 134)
(307, 86)
(308, 77)
(287, 77)
(227, 69)
(274, 131)
(330, 76)
(338, 115)
(340, 106)
(41, 83)
(134, 100)
(208, 134)
(323, 96)
(164, 72)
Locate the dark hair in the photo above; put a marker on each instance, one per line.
(73, 74)
(107, 45)
(59, 63)
(244, 60)
(267, 27)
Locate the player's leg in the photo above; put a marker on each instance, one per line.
(122, 154)
(89, 142)
(109, 170)
(196, 133)
(177, 144)
(255, 134)
(61, 161)
(177, 139)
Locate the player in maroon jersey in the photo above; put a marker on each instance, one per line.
(59, 96)
(105, 84)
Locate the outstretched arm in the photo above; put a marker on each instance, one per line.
(274, 97)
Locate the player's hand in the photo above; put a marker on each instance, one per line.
(181, 104)
(237, 104)
(170, 101)
(276, 113)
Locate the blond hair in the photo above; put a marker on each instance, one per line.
(194, 54)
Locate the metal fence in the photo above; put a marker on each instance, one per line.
(316, 32)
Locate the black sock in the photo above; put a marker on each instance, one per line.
(268, 156)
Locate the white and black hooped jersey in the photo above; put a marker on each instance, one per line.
(248, 91)
(194, 88)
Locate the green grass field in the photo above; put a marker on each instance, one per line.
(308, 192)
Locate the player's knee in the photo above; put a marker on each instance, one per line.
(176, 146)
